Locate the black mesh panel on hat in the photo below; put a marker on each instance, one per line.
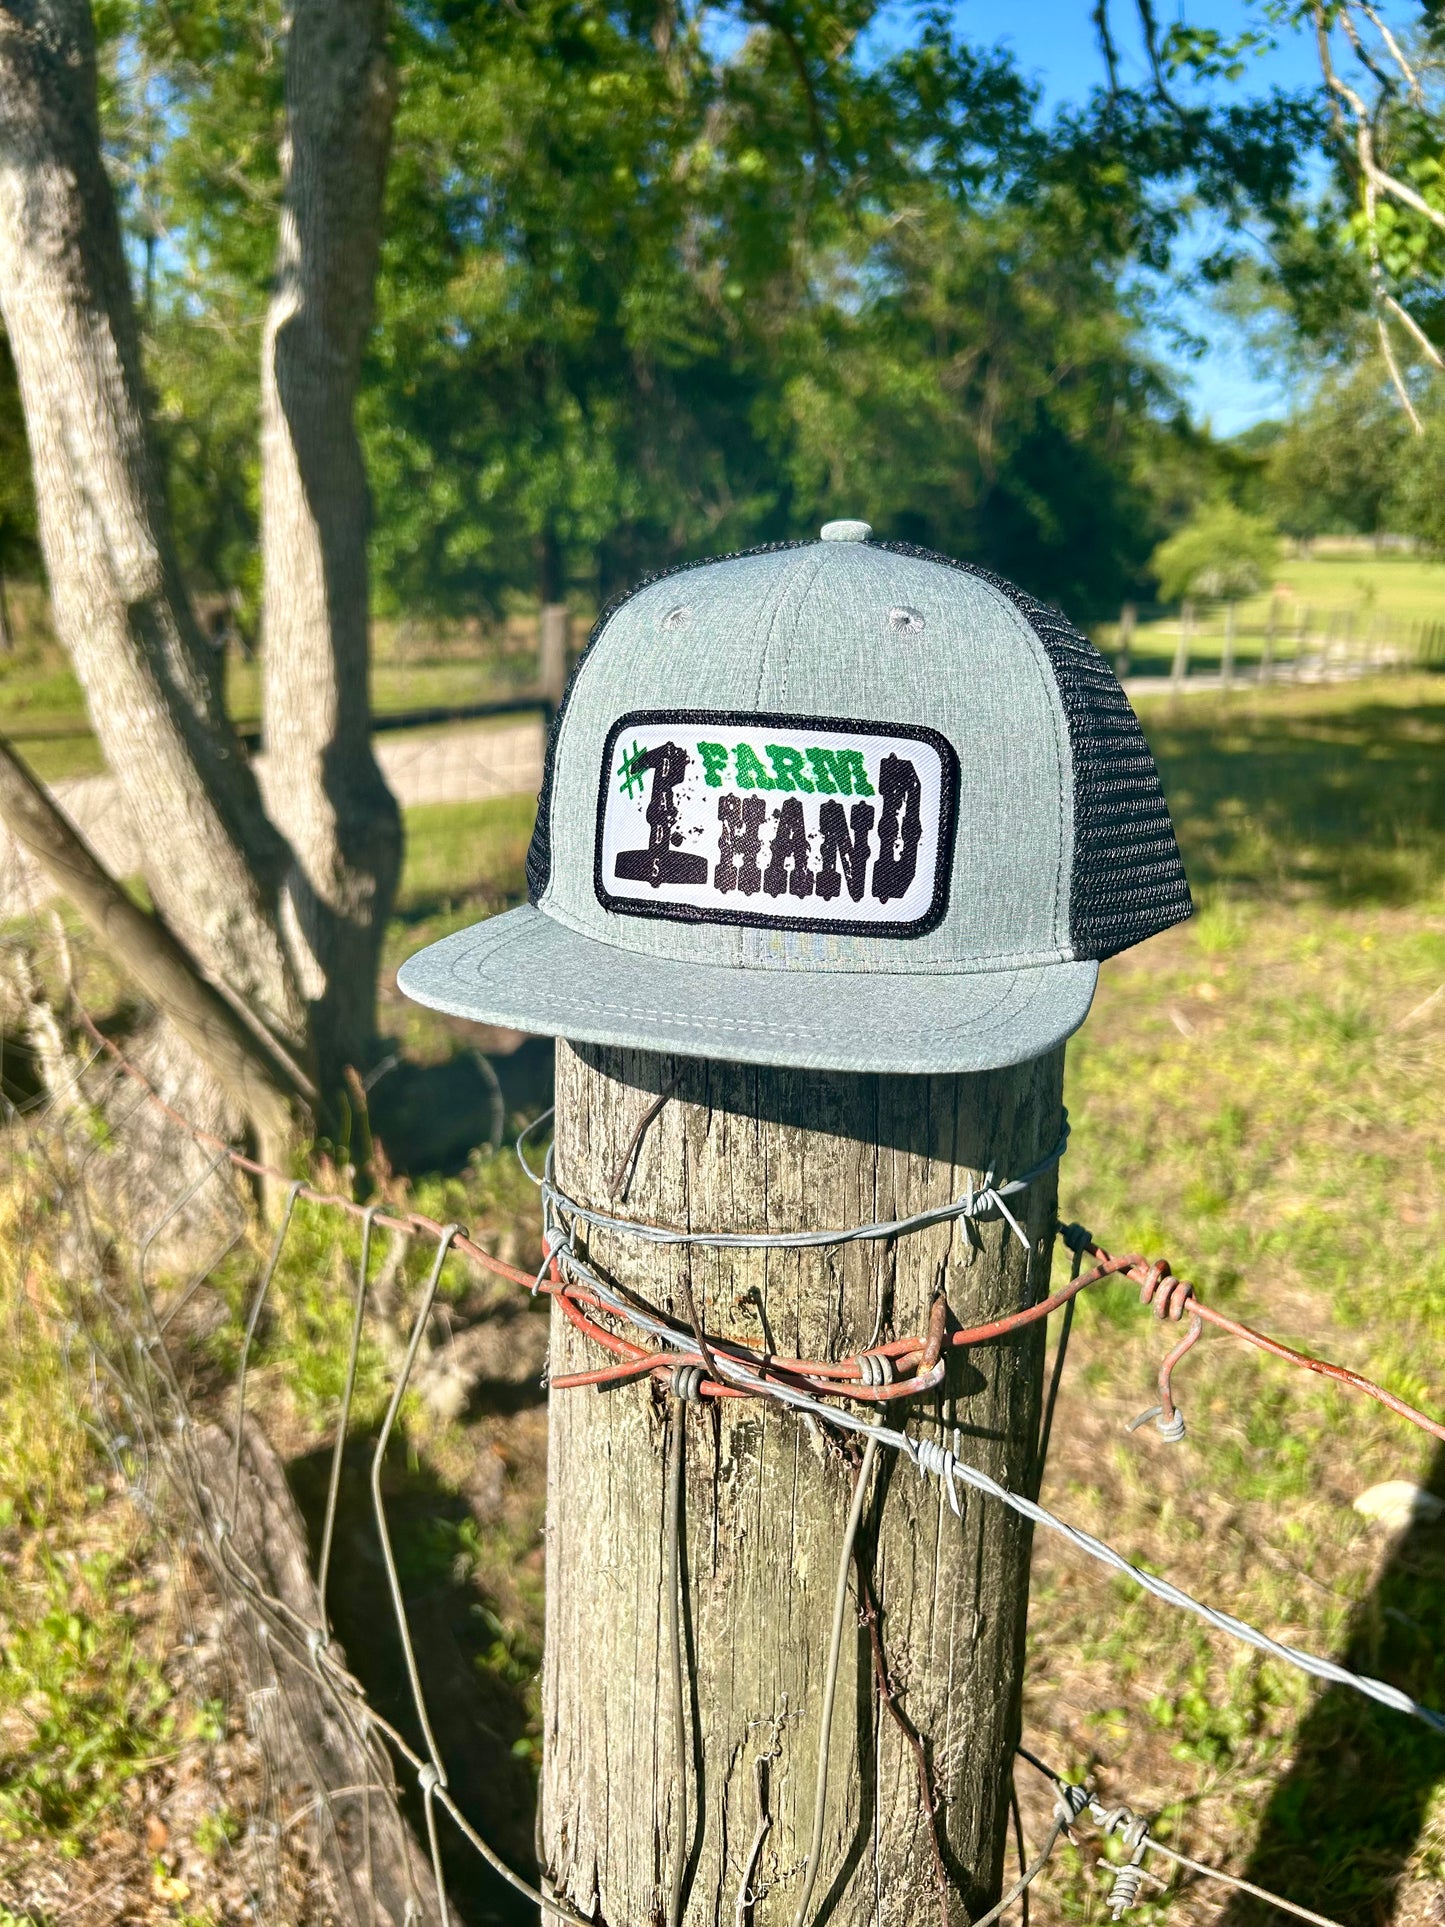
(1128, 881)
(539, 851)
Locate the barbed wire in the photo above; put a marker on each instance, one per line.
(1073, 1802)
(695, 1365)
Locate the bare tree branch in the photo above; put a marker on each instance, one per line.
(254, 1070)
(1395, 376)
(1149, 26)
(1411, 79)
(1416, 332)
(1106, 45)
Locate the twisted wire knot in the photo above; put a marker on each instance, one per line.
(1124, 1893)
(686, 1383)
(1069, 1802)
(1167, 1294)
(428, 1778)
(1170, 1429)
(1132, 1828)
(555, 1240)
(875, 1368)
(935, 1457)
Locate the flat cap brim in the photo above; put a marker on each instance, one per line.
(527, 971)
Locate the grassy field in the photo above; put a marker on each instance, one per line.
(1345, 602)
(1256, 1096)
(1385, 597)
(43, 711)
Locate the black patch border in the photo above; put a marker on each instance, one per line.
(749, 719)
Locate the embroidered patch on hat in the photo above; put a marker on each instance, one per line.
(782, 821)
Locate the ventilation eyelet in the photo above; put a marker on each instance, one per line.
(675, 619)
(906, 622)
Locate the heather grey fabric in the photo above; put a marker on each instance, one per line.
(527, 971)
(835, 631)
(807, 633)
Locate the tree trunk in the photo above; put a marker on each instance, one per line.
(213, 863)
(244, 1060)
(324, 1760)
(327, 792)
(766, 1496)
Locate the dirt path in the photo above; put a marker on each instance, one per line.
(466, 763)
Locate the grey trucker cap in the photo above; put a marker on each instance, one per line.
(842, 805)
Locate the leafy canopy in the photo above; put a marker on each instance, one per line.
(662, 280)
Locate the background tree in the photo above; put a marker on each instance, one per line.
(1337, 464)
(19, 551)
(1222, 553)
(241, 901)
(642, 291)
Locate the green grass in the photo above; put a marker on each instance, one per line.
(42, 708)
(84, 1704)
(1256, 1096)
(463, 861)
(1345, 601)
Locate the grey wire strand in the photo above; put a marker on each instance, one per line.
(343, 1417)
(393, 1577)
(1026, 1879)
(438, 1787)
(979, 1200)
(675, 1667)
(1018, 1824)
(830, 1683)
(429, 1781)
(1153, 1845)
(529, 1130)
(933, 1459)
(287, 1212)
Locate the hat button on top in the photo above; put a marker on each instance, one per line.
(844, 532)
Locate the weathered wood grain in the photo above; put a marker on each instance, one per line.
(767, 1497)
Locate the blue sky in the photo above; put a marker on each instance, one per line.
(1053, 42)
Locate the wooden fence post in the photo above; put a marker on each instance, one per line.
(1226, 659)
(1124, 649)
(552, 652)
(1181, 653)
(766, 1494)
(1271, 633)
(1301, 641)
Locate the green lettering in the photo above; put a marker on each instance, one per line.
(751, 773)
(788, 768)
(840, 772)
(714, 762)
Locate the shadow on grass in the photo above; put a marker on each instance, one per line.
(1344, 798)
(474, 1678)
(1341, 1825)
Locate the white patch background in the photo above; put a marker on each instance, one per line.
(623, 823)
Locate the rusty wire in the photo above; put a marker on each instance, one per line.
(847, 1377)
(897, 1369)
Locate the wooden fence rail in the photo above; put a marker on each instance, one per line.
(1286, 642)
